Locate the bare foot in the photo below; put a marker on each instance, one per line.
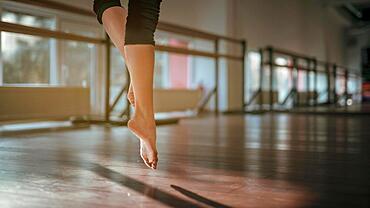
(131, 96)
(146, 132)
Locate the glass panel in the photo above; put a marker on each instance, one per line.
(178, 66)
(26, 59)
(203, 73)
(161, 70)
(27, 19)
(283, 78)
(118, 68)
(351, 85)
(266, 78)
(302, 81)
(118, 79)
(312, 81)
(78, 58)
(77, 63)
(322, 87)
(252, 75)
(340, 84)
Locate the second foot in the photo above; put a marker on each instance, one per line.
(131, 96)
(146, 133)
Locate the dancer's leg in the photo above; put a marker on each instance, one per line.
(142, 20)
(113, 17)
(139, 52)
(141, 64)
(114, 23)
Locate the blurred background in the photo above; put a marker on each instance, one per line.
(269, 99)
(209, 54)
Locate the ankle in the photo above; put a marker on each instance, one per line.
(146, 115)
(148, 121)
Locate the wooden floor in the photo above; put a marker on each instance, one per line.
(267, 160)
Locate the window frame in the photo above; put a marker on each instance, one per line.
(93, 74)
(31, 10)
(59, 18)
(55, 54)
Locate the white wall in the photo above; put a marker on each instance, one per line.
(208, 15)
(304, 26)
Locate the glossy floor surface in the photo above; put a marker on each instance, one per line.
(265, 160)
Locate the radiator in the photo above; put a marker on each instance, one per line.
(28, 103)
(302, 96)
(266, 97)
(167, 100)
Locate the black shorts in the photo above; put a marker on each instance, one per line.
(142, 18)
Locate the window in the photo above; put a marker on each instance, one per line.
(78, 59)
(252, 75)
(25, 58)
(35, 60)
(161, 73)
(283, 78)
(322, 87)
(340, 84)
(183, 71)
(118, 78)
(178, 66)
(27, 19)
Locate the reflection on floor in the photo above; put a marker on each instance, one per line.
(354, 109)
(335, 109)
(267, 160)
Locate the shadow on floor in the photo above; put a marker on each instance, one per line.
(198, 197)
(138, 186)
